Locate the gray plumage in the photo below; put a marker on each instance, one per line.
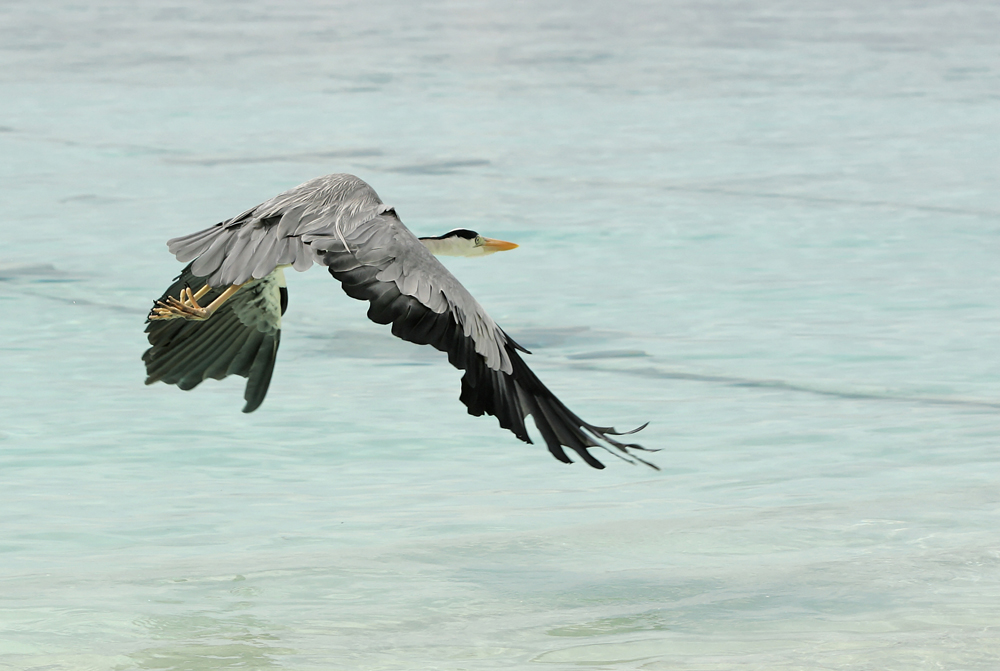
(339, 221)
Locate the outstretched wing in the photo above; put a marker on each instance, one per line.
(385, 264)
(241, 338)
(278, 232)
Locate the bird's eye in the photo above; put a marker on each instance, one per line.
(479, 241)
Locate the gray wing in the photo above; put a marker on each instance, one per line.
(241, 338)
(406, 286)
(279, 231)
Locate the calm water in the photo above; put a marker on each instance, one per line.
(771, 229)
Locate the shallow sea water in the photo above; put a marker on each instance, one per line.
(768, 228)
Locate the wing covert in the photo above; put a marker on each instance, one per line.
(278, 232)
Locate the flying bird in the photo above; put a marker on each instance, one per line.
(222, 314)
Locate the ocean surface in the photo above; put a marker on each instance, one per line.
(770, 229)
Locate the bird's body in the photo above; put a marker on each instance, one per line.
(339, 221)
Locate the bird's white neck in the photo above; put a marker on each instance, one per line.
(450, 247)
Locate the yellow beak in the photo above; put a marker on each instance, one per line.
(498, 245)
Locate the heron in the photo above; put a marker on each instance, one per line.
(222, 314)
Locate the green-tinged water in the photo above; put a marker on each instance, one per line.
(769, 229)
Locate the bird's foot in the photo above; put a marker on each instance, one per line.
(185, 308)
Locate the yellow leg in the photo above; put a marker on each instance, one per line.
(187, 306)
(201, 292)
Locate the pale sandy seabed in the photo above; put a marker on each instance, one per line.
(770, 229)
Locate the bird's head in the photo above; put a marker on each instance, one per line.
(463, 242)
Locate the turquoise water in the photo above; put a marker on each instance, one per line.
(771, 230)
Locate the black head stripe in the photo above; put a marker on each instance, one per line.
(457, 233)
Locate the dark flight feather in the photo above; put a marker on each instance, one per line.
(241, 338)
